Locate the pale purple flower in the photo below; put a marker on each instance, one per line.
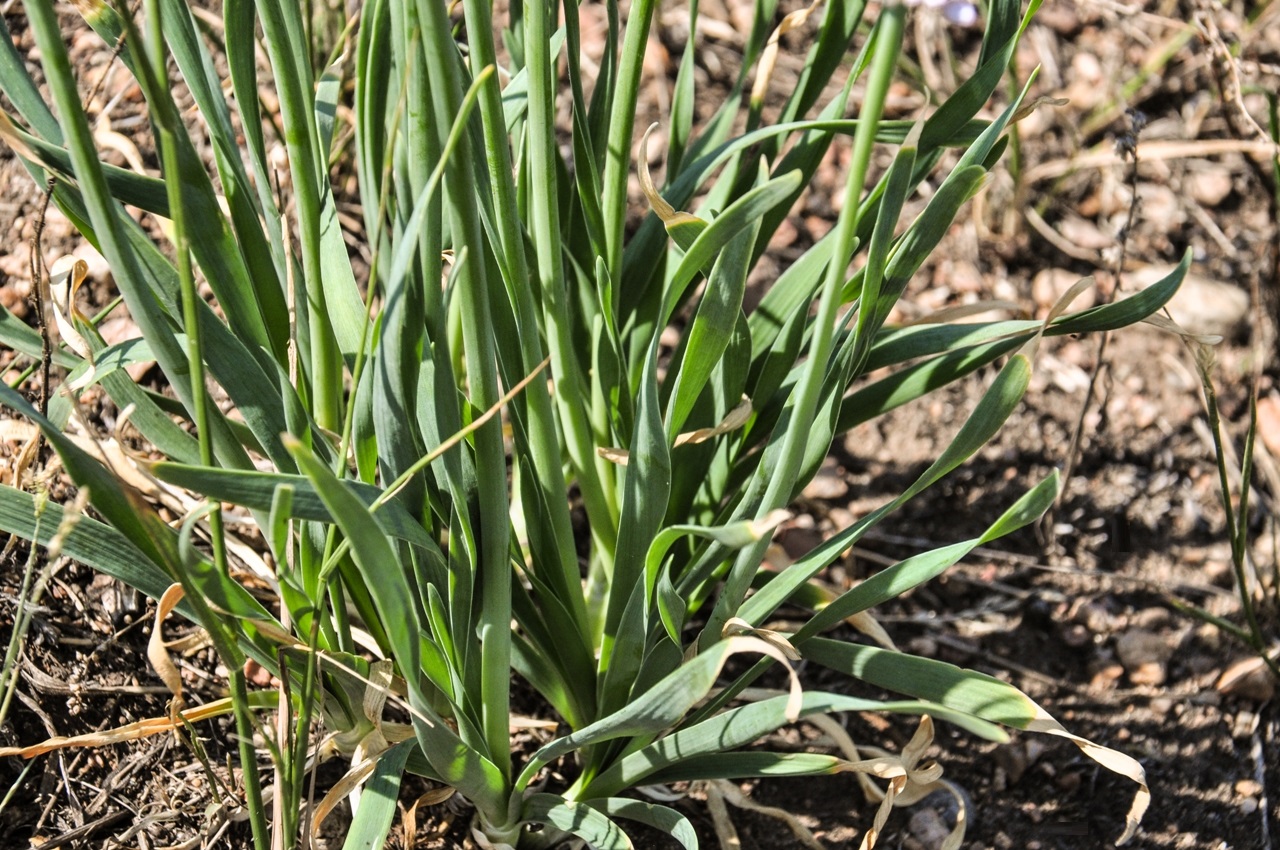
(962, 13)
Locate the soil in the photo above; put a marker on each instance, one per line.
(1078, 612)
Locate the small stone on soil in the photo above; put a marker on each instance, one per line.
(1248, 679)
(1210, 186)
(928, 829)
(1202, 305)
(1144, 655)
(827, 484)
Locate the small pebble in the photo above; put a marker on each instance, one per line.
(1209, 187)
(1076, 636)
(928, 828)
(1151, 673)
(1143, 655)
(1202, 305)
(827, 485)
(1150, 618)
(1248, 787)
(1244, 725)
(1248, 679)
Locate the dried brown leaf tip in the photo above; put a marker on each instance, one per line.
(670, 215)
(769, 58)
(158, 649)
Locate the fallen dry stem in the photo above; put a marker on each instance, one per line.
(1150, 151)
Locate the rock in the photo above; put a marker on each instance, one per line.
(1159, 203)
(1084, 233)
(1138, 646)
(827, 485)
(258, 675)
(1269, 423)
(840, 518)
(924, 646)
(1219, 572)
(1152, 673)
(800, 538)
(1069, 782)
(928, 828)
(15, 284)
(1015, 758)
(118, 329)
(98, 270)
(1096, 618)
(1209, 186)
(1143, 655)
(1202, 305)
(1243, 725)
(959, 276)
(1150, 618)
(1050, 284)
(1075, 636)
(1248, 787)
(1105, 678)
(1248, 679)
(785, 235)
(1206, 697)
(1084, 82)
(1062, 18)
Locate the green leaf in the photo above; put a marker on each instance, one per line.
(22, 90)
(372, 822)
(907, 574)
(89, 541)
(682, 101)
(24, 339)
(278, 521)
(254, 240)
(960, 689)
(152, 422)
(256, 490)
(458, 764)
(373, 555)
(662, 818)
(915, 381)
(124, 509)
(987, 417)
(129, 187)
(872, 309)
(743, 213)
(914, 246)
(775, 478)
(617, 150)
(657, 709)
(747, 765)
(974, 92)
(646, 491)
(743, 725)
(287, 48)
(959, 349)
(713, 326)
(580, 819)
(828, 53)
(143, 275)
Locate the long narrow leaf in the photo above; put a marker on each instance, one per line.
(583, 820)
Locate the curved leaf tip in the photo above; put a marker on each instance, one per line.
(663, 210)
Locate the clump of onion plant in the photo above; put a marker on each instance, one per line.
(411, 447)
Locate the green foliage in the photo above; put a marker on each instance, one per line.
(409, 521)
